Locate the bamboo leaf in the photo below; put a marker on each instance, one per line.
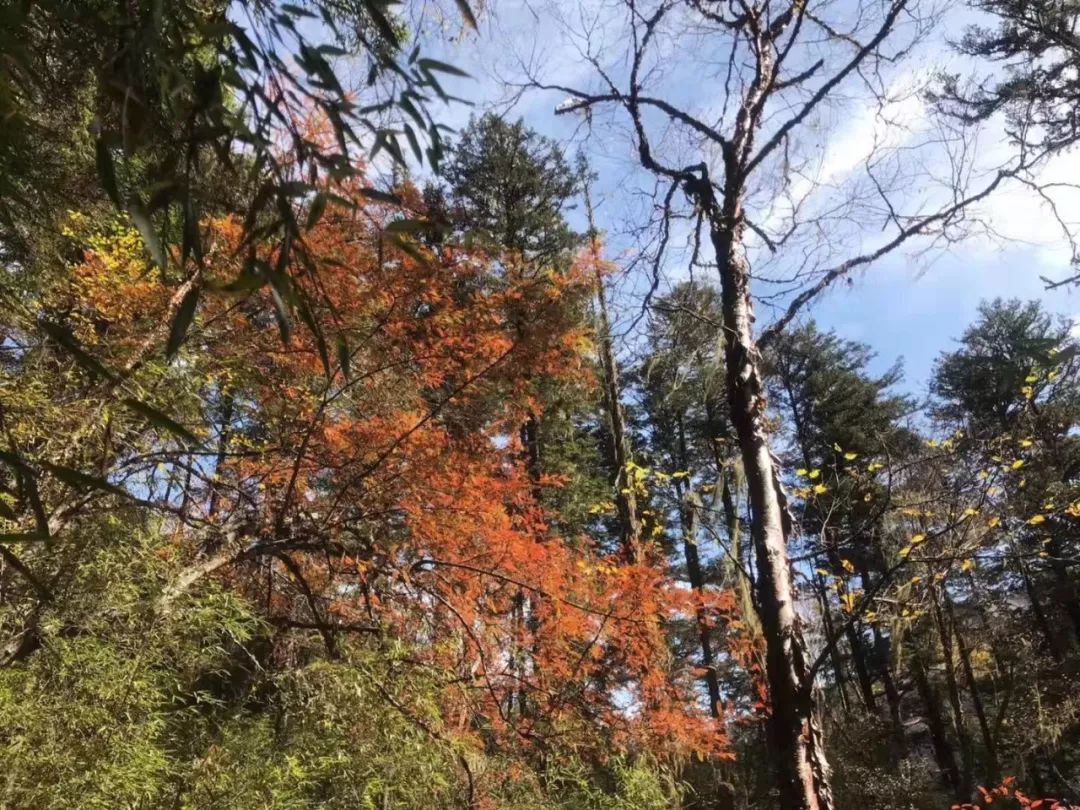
(185, 314)
(107, 171)
(160, 420)
(150, 237)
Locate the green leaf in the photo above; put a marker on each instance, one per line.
(414, 142)
(77, 352)
(279, 293)
(107, 172)
(343, 355)
(410, 250)
(23, 537)
(29, 485)
(386, 30)
(146, 229)
(296, 10)
(253, 276)
(467, 13)
(80, 480)
(160, 420)
(185, 314)
(317, 209)
(381, 196)
(408, 226)
(308, 317)
(428, 65)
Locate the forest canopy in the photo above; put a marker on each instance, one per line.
(393, 417)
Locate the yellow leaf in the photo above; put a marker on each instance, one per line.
(820, 489)
(1016, 465)
(801, 472)
(1026, 442)
(1035, 520)
(814, 474)
(837, 448)
(848, 566)
(905, 551)
(993, 522)
(850, 456)
(1032, 377)
(821, 572)
(1028, 392)
(969, 512)
(917, 539)
(967, 565)
(874, 467)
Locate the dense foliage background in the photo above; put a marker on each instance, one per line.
(321, 486)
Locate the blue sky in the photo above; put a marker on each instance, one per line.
(911, 304)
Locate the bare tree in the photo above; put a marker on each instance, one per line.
(729, 102)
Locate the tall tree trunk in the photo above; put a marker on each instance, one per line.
(991, 776)
(883, 664)
(834, 649)
(1065, 590)
(1037, 610)
(881, 651)
(691, 507)
(801, 766)
(935, 722)
(967, 778)
(222, 449)
(619, 455)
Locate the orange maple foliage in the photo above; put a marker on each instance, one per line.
(1008, 795)
(392, 502)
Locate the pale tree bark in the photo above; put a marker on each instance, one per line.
(620, 457)
(780, 74)
(802, 769)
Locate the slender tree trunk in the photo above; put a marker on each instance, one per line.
(619, 455)
(691, 507)
(935, 722)
(1065, 590)
(966, 759)
(881, 651)
(1037, 610)
(883, 661)
(991, 776)
(801, 766)
(834, 651)
(222, 449)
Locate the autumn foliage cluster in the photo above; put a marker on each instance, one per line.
(380, 494)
